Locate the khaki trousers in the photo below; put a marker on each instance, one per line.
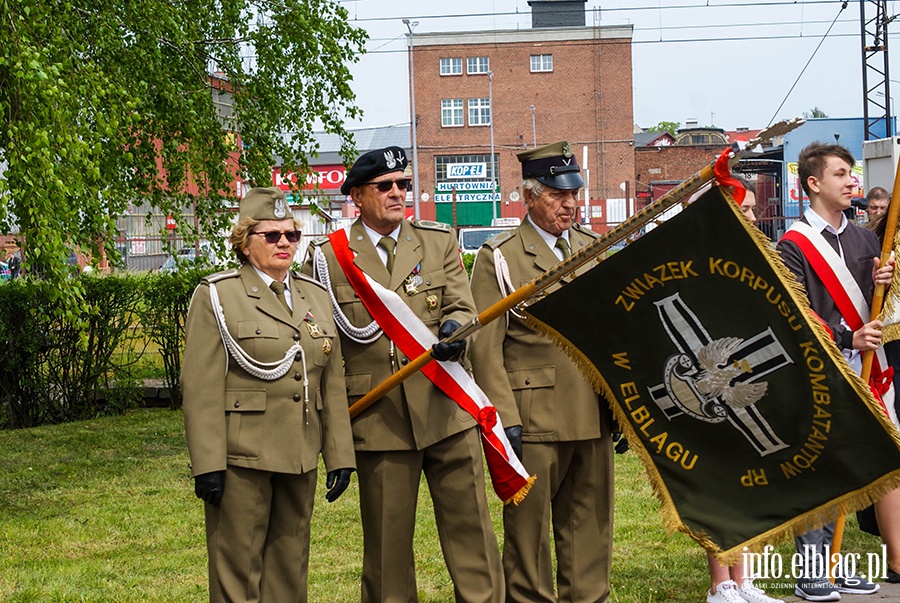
(574, 492)
(389, 484)
(258, 537)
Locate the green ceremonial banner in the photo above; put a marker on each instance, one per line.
(749, 421)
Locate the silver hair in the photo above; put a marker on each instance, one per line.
(534, 186)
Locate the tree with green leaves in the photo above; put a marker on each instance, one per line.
(666, 126)
(813, 113)
(110, 105)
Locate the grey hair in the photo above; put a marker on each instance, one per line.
(532, 185)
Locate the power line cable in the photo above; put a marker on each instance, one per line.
(822, 41)
(628, 9)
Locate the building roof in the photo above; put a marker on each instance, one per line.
(529, 36)
(365, 139)
(653, 139)
(743, 134)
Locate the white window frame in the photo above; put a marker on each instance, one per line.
(541, 63)
(477, 107)
(451, 66)
(476, 65)
(452, 115)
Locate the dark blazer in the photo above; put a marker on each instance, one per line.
(860, 247)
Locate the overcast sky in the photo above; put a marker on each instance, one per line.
(728, 63)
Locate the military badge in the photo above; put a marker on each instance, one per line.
(326, 346)
(280, 210)
(412, 284)
(313, 329)
(432, 301)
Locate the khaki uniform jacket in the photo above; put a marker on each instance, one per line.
(234, 418)
(415, 414)
(527, 377)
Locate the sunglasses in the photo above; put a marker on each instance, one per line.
(386, 185)
(273, 236)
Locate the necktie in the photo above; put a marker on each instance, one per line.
(563, 245)
(388, 244)
(278, 288)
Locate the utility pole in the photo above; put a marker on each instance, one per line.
(875, 72)
(494, 174)
(411, 25)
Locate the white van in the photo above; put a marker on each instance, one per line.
(471, 238)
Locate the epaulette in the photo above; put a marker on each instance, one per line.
(318, 241)
(499, 239)
(218, 276)
(308, 279)
(584, 229)
(431, 225)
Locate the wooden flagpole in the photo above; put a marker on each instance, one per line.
(890, 229)
(591, 252)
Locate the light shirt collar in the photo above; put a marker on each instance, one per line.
(550, 239)
(819, 224)
(375, 237)
(268, 280)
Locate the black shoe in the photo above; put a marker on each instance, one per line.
(892, 576)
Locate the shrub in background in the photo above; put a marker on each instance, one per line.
(163, 312)
(24, 343)
(57, 367)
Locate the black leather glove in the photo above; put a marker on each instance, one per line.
(210, 487)
(448, 351)
(514, 435)
(621, 444)
(337, 481)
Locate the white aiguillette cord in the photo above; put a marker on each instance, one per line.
(364, 335)
(258, 369)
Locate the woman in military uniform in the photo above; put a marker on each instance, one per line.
(264, 394)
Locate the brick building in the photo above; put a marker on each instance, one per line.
(518, 89)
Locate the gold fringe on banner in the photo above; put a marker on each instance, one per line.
(522, 493)
(890, 311)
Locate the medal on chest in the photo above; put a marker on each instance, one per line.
(413, 281)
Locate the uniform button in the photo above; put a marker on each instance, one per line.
(297, 376)
(296, 397)
(297, 357)
(296, 336)
(404, 361)
(427, 283)
(528, 381)
(237, 404)
(258, 331)
(325, 331)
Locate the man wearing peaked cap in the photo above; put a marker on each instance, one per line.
(415, 428)
(551, 414)
(553, 165)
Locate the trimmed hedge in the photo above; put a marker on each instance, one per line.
(56, 367)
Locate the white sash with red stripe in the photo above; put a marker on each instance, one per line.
(414, 338)
(849, 299)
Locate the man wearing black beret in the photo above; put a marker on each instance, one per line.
(414, 428)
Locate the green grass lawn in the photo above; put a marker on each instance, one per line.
(103, 511)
